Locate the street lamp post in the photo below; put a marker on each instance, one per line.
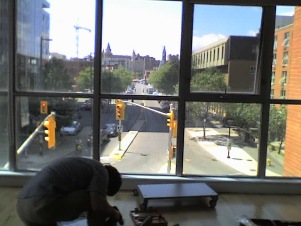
(229, 138)
(204, 129)
(91, 74)
(38, 81)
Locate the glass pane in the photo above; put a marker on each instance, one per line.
(4, 144)
(283, 144)
(139, 143)
(73, 117)
(286, 62)
(4, 73)
(225, 51)
(55, 45)
(4, 43)
(140, 47)
(221, 139)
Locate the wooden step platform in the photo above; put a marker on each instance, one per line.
(175, 191)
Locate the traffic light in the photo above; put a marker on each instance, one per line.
(50, 124)
(175, 129)
(44, 107)
(119, 110)
(170, 119)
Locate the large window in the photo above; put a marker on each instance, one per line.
(222, 139)
(155, 88)
(5, 42)
(141, 64)
(238, 35)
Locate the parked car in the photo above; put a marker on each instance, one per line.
(103, 138)
(72, 129)
(165, 105)
(111, 129)
(87, 105)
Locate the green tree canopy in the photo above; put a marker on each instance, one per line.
(245, 115)
(211, 79)
(166, 78)
(277, 124)
(56, 76)
(116, 81)
(85, 79)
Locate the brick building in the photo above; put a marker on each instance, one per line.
(281, 61)
(292, 165)
(235, 57)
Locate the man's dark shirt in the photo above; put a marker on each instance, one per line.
(67, 175)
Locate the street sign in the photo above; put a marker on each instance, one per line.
(120, 128)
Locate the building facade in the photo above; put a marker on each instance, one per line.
(281, 59)
(293, 84)
(235, 57)
(135, 63)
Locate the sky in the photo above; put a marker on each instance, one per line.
(145, 26)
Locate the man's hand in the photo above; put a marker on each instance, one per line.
(117, 215)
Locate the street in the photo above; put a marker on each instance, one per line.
(145, 152)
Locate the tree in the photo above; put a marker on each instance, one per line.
(116, 81)
(277, 124)
(56, 76)
(246, 115)
(85, 79)
(211, 79)
(166, 78)
(64, 108)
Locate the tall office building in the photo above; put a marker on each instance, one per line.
(33, 24)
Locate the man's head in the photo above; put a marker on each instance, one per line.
(115, 180)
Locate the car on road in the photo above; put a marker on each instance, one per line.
(103, 138)
(87, 105)
(111, 129)
(129, 91)
(165, 105)
(150, 90)
(71, 129)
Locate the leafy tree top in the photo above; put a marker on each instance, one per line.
(166, 78)
(211, 79)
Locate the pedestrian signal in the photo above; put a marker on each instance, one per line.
(50, 124)
(44, 107)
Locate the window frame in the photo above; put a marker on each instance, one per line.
(264, 68)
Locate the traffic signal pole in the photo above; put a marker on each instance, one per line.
(35, 132)
(171, 123)
(120, 115)
(119, 134)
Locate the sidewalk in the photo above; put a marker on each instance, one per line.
(239, 159)
(126, 141)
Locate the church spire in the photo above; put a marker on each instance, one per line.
(108, 51)
(163, 60)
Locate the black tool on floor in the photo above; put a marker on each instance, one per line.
(113, 222)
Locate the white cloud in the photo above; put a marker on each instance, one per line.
(288, 13)
(205, 40)
(252, 33)
(285, 10)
